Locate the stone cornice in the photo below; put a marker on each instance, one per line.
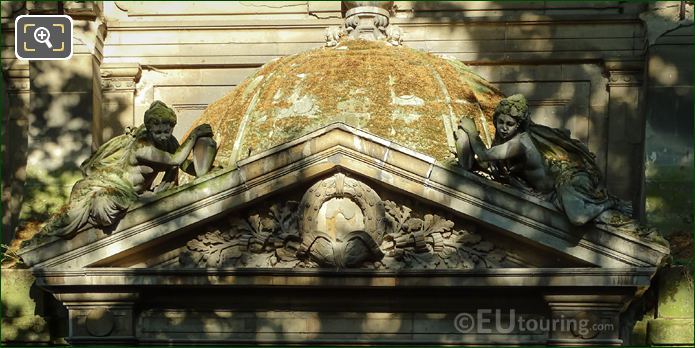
(360, 278)
(340, 147)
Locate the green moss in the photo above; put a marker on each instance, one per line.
(355, 83)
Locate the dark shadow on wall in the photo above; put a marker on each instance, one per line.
(14, 153)
(50, 138)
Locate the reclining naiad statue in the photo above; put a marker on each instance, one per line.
(545, 162)
(126, 167)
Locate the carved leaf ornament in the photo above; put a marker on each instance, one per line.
(340, 223)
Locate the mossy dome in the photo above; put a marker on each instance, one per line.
(409, 97)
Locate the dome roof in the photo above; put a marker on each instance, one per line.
(407, 96)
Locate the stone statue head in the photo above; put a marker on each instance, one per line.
(511, 116)
(160, 121)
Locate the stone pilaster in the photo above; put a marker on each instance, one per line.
(14, 135)
(585, 319)
(626, 122)
(106, 318)
(118, 82)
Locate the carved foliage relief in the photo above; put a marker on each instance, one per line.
(340, 222)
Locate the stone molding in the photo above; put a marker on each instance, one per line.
(18, 77)
(120, 76)
(599, 310)
(624, 72)
(367, 22)
(586, 278)
(341, 147)
(100, 317)
(88, 9)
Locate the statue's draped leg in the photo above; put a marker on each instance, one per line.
(581, 199)
(99, 200)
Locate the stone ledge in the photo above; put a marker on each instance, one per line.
(510, 277)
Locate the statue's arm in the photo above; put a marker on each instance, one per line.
(152, 154)
(510, 149)
(507, 150)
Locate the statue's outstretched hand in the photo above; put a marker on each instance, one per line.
(204, 130)
(468, 126)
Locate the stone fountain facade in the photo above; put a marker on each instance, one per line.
(335, 212)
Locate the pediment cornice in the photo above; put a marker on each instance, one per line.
(340, 148)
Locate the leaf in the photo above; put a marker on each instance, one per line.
(196, 245)
(286, 217)
(254, 223)
(268, 225)
(448, 252)
(435, 223)
(466, 263)
(496, 256)
(230, 253)
(469, 238)
(484, 246)
(396, 214)
(414, 224)
(214, 238)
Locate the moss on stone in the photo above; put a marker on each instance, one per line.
(357, 83)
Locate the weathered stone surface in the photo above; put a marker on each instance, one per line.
(21, 301)
(341, 222)
(670, 332)
(675, 293)
(552, 51)
(489, 203)
(25, 329)
(358, 83)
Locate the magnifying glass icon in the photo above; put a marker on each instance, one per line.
(42, 35)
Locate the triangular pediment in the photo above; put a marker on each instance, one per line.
(301, 204)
